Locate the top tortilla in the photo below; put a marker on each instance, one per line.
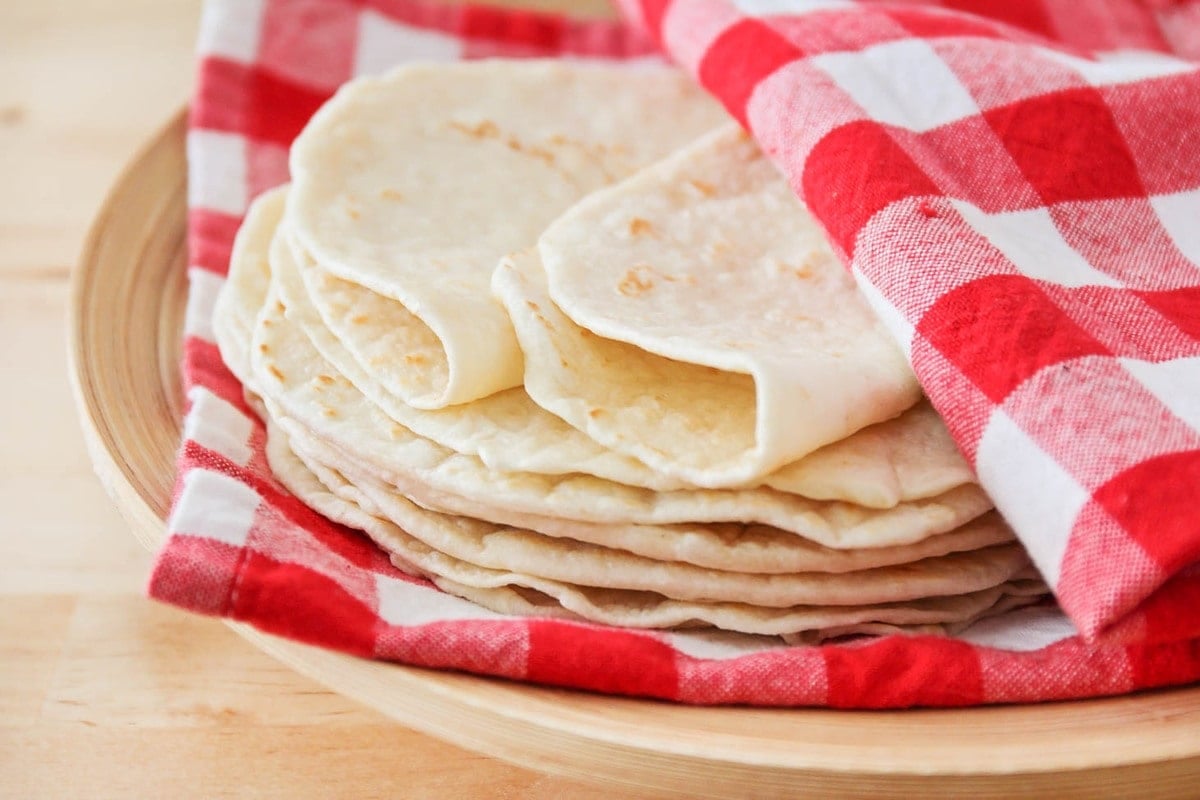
(759, 343)
(414, 184)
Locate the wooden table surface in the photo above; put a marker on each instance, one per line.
(104, 693)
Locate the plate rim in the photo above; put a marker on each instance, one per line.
(675, 748)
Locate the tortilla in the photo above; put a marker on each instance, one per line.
(506, 430)
(292, 376)
(512, 549)
(414, 184)
(527, 595)
(911, 457)
(245, 288)
(693, 317)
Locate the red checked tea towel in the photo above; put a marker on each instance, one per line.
(1016, 190)
(1018, 195)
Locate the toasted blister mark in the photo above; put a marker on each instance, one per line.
(485, 129)
(391, 194)
(639, 227)
(637, 280)
(539, 153)
(274, 370)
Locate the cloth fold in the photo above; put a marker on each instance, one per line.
(1014, 185)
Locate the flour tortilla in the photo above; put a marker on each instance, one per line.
(734, 547)
(616, 393)
(799, 625)
(724, 339)
(414, 184)
(506, 430)
(513, 593)
(500, 547)
(911, 457)
(245, 288)
(291, 375)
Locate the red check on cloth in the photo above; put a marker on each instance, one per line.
(1015, 186)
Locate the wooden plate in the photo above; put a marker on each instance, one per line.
(127, 316)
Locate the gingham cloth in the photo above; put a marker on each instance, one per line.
(1017, 191)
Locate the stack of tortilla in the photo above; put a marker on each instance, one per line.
(559, 338)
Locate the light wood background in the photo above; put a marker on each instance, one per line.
(103, 693)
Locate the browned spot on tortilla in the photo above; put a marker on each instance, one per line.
(396, 431)
(415, 358)
(280, 306)
(532, 305)
(391, 194)
(541, 153)
(263, 348)
(596, 412)
(690, 280)
(594, 150)
(483, 130)
(274, 370)
(353, 213)
(638, 226)
(329, 412)
(12, 115)
(637, 281)
(703, 187)
(266, 323)
(359, 319)
(326, 379)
